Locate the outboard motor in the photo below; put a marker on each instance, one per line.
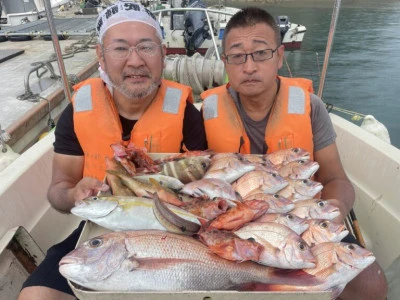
(196, 28)
(283, 24)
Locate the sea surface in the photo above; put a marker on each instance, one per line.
(363, 74)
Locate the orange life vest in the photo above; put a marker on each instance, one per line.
(97, 124)
(289, 123)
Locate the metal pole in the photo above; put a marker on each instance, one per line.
(332, 29)
(56, 44)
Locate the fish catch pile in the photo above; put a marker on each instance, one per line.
(213, 221)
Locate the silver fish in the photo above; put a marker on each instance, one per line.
(124, 213)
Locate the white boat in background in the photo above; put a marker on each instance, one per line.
(193, 27)
(29, 225)
(22, 11)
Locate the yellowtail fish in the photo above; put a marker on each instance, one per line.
(124, 213)
(151, 260)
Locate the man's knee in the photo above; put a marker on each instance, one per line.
(43, 293)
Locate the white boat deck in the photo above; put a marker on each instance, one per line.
(14, 70)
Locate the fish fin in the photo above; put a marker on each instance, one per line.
(298, 277)
(130, 264)
(155, 183)
(258, 286)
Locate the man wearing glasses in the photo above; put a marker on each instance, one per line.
(260, 112)
(130, 102)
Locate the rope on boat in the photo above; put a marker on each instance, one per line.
(199, 72)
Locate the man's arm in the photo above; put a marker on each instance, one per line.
(67, 184)
(334, 180)
(371, 283)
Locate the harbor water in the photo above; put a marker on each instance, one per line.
(364, 64)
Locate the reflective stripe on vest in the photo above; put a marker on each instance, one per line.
(289, 124)
(97, 124)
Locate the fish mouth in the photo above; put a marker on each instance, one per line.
(68, 260)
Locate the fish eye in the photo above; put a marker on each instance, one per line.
(289, 216)
(305, 181)
(324, 224)
(251, 240)
(276, 196)
(295, 150)
(204, 165)
(301, 162)
(273, 174)
(350, 247)
(96, 242)
(321, 204)
(95, 198)
(302, 246)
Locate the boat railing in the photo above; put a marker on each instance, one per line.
(160, 12)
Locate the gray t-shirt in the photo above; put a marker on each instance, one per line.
(322, 128)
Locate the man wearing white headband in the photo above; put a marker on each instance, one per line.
(130, 103)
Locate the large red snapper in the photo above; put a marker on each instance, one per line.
(162, 261)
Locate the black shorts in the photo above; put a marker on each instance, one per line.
(47, 274)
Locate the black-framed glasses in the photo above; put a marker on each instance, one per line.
(122, 51)
(259, 55)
